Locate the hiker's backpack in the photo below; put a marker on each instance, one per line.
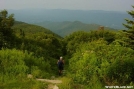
(60, 63)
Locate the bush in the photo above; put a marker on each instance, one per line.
(111, 64)
(12, 62)
(15, 63)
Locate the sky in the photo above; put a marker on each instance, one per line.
(107, 5)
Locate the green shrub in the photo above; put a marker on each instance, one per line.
(12, 62)
(112, 64)
(17, 64)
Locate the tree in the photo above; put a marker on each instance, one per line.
(6, 33)
(130, 27)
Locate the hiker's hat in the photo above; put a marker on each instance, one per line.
(61, 57)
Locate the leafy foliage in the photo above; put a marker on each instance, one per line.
(80, 37)
(91, 60)
(12, 62)
(15, 62)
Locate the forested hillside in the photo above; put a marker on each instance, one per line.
(65, 28)
(93, 59)
(30, 29)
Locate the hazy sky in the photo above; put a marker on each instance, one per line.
(109, 5)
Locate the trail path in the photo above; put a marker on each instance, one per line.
(52, 84)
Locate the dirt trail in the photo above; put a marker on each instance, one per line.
(52, 84)
(50, 81)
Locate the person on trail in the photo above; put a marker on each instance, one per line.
(60, 63)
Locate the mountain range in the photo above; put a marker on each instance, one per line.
(67, 27)
(112, 19)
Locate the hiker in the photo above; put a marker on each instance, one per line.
(60, 63)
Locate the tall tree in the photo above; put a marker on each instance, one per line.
(130, 27)
(6, 33)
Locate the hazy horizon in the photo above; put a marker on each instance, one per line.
(106, 5)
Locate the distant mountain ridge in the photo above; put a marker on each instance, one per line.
(111, 19)
(67, 27)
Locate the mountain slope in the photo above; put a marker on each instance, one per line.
(30, 28)
(67, 27)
